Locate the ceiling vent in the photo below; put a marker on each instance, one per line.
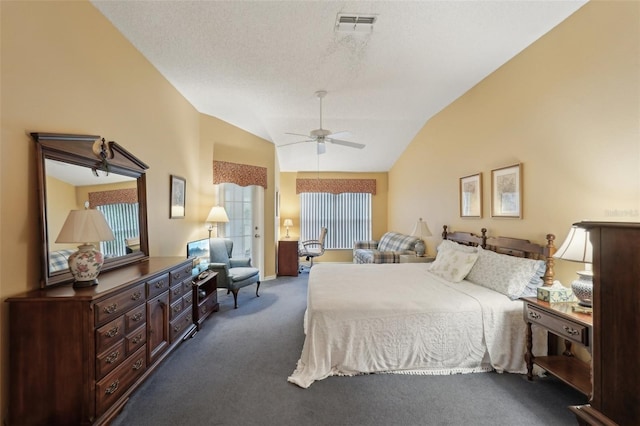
(355, 23)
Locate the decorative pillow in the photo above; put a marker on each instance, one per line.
(448, 244)
(453, 265)
(505, 274)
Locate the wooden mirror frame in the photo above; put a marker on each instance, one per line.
(96, 154)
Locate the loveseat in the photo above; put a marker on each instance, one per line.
(387, 250)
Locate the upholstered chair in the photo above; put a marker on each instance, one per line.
(233, 274)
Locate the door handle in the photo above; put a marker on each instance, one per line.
(257, 236)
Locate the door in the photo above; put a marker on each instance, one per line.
(245, 208)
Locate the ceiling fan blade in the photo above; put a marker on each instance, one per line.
(340, 134)
(347, 143)
(322, 148)
(297, 134)
(294, 143)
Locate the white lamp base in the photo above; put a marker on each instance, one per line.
(583, 288)
(85, 265)
(420, 248)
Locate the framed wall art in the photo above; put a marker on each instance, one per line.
(178, 191)
(506, 192)
(471, 196)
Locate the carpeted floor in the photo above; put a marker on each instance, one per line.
(234, 372)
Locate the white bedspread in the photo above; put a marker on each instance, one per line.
(401, 318)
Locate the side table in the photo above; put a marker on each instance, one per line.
(411, 258)
(574, 327)
(288, 258)
(205, 297)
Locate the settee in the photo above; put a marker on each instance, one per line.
(387, 250)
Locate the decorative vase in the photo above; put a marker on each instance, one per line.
(85, 265)
(583, 288)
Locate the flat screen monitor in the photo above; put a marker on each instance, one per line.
(199, 250)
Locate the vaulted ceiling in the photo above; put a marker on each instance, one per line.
(258, 64)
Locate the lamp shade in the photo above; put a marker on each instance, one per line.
(288, 222)
(576, 247)
(85, 226)
(421, 229)
(218, 214)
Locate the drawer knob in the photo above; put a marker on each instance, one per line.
(112, 387)
(113, 357)
(136, 295)
(137, 317)
(112, 332)
(534, 315)
(111, 308)
(570, 331)
(160, 284)
(136, 339)
(138, 364)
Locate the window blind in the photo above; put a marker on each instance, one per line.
(346, 216)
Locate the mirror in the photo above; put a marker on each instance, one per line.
(85, 171)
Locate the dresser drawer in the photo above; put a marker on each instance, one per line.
(560, 326)
(109, 389)
(135, 317)
(176, 309)
(109, 334)
(187, 299)
(110, 359)
(180, 274)
(157, 285)
(180, 325)
(136, 339)
(108, 309)
(175, 293)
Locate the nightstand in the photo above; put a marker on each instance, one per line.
(412, 258)
(288, 258)
(574, 327)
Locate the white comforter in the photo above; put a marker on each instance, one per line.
(401, 318)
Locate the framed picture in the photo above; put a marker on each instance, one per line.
(506, 192)
(471, 196)
(178, 190)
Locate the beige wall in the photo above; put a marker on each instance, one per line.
(66, 69)
(567, 108)
(290, 207)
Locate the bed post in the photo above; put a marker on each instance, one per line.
(444, 232)
(484, 238)
(549, 251)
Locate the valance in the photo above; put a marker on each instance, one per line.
(336, 186)
(115, 196)
(240, 174)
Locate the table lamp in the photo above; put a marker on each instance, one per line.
(217, 215)
(287, 224)
(577, 248)
(421, 230)
(86, 227)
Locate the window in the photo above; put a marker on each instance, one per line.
(347, 217)
(123, 220)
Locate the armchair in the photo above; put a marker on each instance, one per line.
(233, 274)
(311, 249)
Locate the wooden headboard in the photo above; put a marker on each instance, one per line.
(511, 246)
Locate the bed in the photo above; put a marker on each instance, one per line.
(460, 314)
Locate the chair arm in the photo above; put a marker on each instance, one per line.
(365, 244)
(240, 263)
(223, 273)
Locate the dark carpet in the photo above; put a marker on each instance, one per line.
(234, 372)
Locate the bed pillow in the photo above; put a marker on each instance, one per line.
(453, 265)
(448, 244)
(512, 276)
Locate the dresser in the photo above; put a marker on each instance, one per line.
(616, 321)
(288, 258)
(77, 354)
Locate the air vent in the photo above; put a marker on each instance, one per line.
(353, 22)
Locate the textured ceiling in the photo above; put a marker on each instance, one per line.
(257, 64)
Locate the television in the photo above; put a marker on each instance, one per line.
(198, 251)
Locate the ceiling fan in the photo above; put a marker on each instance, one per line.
(322, 136)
